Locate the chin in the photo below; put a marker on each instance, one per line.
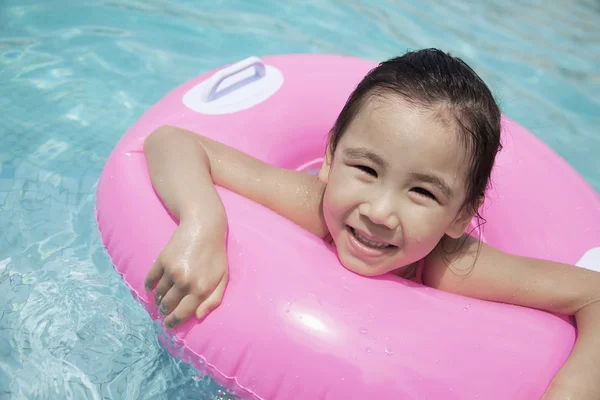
(362, 269)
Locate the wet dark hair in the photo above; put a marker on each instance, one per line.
(445, 84)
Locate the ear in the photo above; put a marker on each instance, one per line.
(326, 166)
(459, 225)
(462, 220)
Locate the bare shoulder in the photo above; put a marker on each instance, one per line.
(456, 266)
(292, 194)
(470, 268)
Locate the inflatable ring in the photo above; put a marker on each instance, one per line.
(294, 323)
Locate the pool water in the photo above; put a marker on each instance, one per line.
(75, 75)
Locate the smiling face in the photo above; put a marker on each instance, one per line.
(395, 186)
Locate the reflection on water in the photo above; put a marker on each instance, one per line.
(75, 75)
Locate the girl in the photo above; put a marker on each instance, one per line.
(406, 168)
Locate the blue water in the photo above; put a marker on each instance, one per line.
(75, 75)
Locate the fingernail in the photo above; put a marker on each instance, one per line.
(157, 299)
(162, 309)
(148, 286)
(172, 324)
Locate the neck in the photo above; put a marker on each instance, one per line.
(407, 272)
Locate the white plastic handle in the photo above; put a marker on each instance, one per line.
(211, 91)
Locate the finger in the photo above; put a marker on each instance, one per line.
(186, 307)
(162, 288)
(170, 300)
(154, 274)
(213, 301)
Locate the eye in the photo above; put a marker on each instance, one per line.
(366, 170)
(424, 192)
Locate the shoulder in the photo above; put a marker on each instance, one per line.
(296, 196)
(451, 263)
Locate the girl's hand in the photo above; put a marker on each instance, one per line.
(191, 272)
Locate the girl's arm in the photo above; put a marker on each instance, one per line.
(493, 275)
(190, 273)
(294, 195)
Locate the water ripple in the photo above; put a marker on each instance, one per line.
(72, 82)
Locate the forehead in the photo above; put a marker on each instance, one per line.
(408, 136)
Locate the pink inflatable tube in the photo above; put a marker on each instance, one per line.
(294, 323)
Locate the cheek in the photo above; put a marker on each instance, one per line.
(342, 192)
(339, 200)
(332, 209)
(425, 227)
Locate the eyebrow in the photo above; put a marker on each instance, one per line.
(434, 180)
(362, 152)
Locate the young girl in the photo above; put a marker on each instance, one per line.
(406, 167)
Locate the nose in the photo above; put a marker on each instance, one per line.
(380, 210)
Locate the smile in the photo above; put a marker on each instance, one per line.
(369, 242)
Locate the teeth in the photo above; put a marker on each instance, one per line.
(370, 243)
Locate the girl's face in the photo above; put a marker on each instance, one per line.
(395, 186)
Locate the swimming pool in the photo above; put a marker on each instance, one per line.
(75, 75)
